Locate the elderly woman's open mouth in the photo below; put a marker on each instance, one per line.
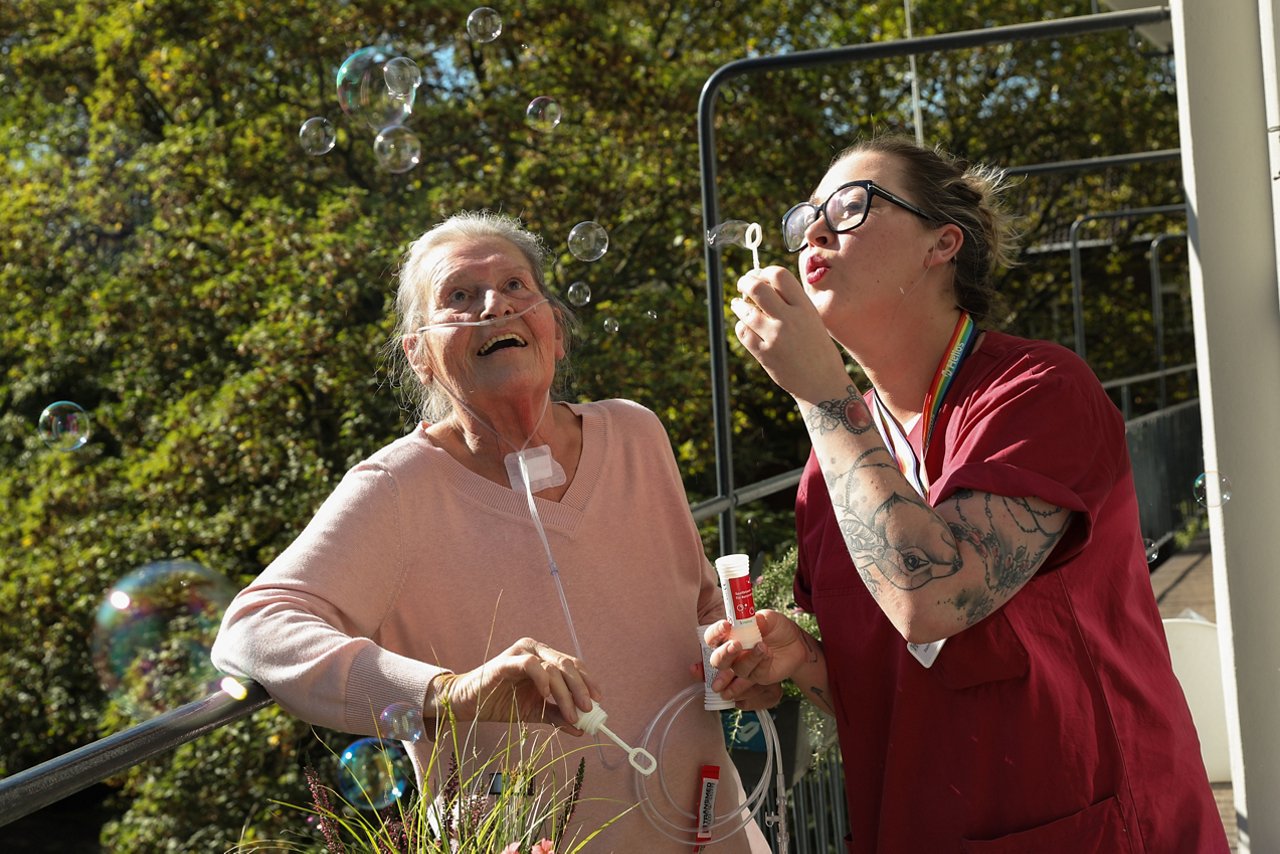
(501, 342)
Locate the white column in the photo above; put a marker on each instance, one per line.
(1223, 96)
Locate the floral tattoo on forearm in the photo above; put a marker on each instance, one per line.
(876, 534)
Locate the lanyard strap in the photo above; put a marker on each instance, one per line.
(895, 437)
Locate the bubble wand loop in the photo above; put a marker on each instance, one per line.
(752, 242)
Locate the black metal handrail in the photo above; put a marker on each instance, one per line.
(35, 788)
(1078, 25)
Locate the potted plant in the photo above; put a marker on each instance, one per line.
(508, 803)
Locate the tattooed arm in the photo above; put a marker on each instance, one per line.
(933, 571)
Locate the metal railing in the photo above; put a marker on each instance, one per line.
(35, 788)
(1160, 377)
(816, 805)
(1074, 26)
(1166, 453)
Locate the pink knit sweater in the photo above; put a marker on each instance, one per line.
(414, 564)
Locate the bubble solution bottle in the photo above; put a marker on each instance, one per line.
(739, 603)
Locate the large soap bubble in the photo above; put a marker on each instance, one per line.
(731, 232)
(402, 76)
(543, 114)
(484, 24)
(373, 773)
(64, 426)
(579, 293)
(317, 136)
(401, 721)
(588, 241)
(153, 632)
(397, 149)
(364, 92)
(1212, 489)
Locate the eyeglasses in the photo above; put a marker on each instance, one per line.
(844, 210)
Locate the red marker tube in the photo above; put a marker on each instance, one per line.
(706, 811)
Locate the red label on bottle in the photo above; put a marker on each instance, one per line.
(740, 602)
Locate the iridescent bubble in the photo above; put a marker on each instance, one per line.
(364, 93)
(484, 24)
(543, 114)
(579, 293)
(651, 314)
(611, 325)
(401, 721)
(64, 426)
(373, 773)
(1152, 550)
(731, 232)
(402, 76)
(588, 241)
(317, 136)
(1212, 489)
(397, 149)
(153, 632)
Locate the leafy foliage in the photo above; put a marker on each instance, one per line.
(218, 301)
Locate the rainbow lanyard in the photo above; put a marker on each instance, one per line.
(895, 437)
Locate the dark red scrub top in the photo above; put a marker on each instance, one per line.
(1056, 724)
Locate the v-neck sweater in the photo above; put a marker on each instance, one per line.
(416, 564)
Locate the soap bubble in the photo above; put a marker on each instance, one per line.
(611, 325)
(484, 24)
(317, 136)
(64, 426)
(401, 721)
(373, 773)
(1152, 550)
(1212, 489)
(402, 77)
(364, 93)
(651, 314)
(731, 232)
(153, 632)
(579, 293)
(397, 149)
(588, 241)
(543, 114)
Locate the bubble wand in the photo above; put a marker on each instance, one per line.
(752, 241)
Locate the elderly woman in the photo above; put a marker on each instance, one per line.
(510, 558)
(968, 540)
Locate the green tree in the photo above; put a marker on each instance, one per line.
(219, 301)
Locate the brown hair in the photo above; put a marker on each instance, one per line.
(950, 190)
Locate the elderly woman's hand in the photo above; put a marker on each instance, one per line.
(528, 681)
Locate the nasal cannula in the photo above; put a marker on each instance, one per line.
(593, 721)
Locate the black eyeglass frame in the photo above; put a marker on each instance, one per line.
(873, 189)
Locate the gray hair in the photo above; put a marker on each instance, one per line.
(430, 399)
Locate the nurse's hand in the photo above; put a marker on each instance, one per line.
(779, 654)
(780, 327)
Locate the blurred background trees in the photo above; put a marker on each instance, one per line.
(219, 301)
